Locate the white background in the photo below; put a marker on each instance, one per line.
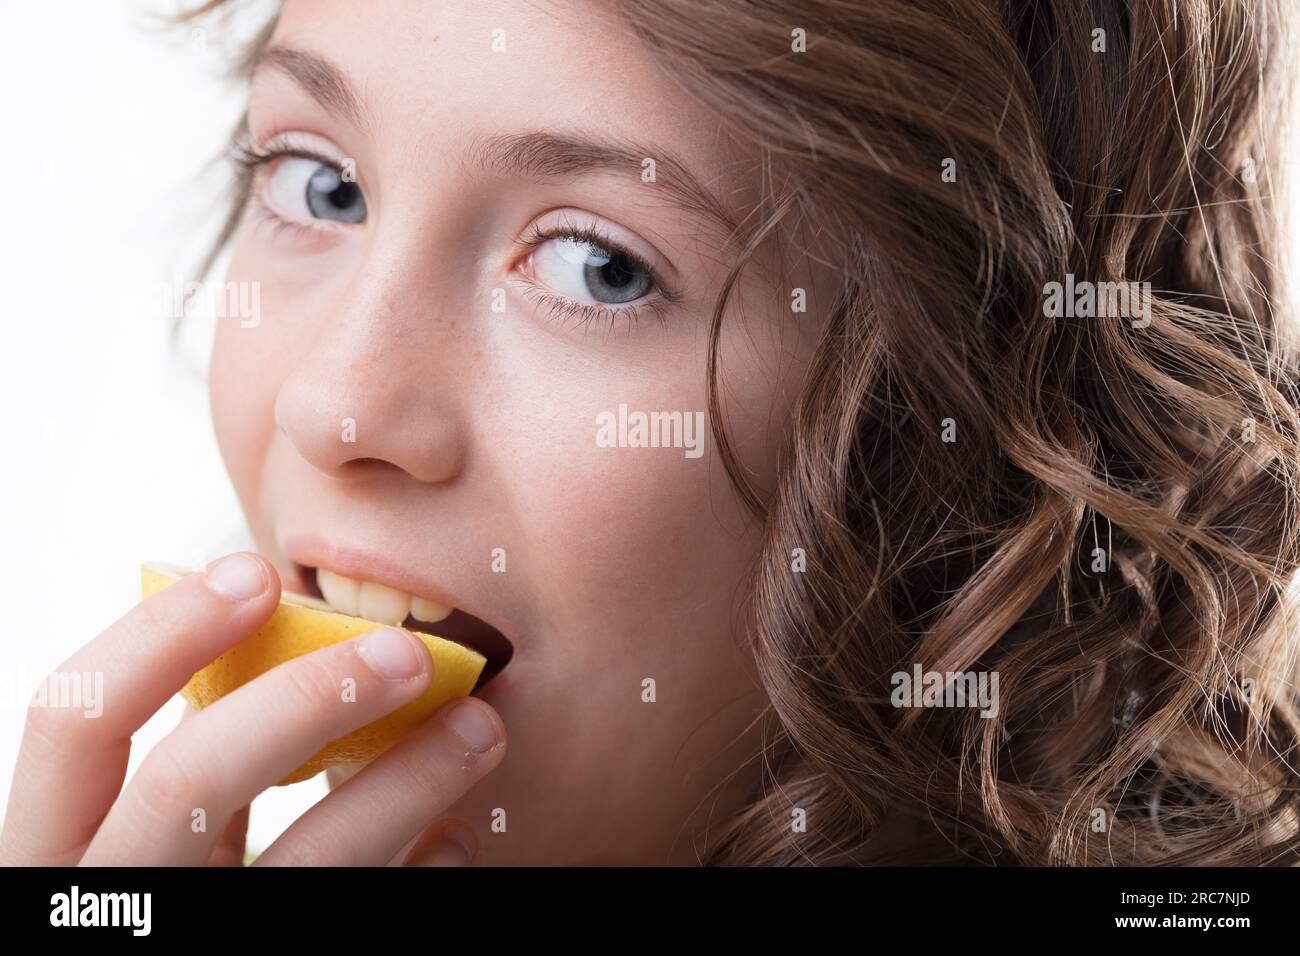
(108, 458)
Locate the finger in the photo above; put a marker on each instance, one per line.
(73, 759)
(229, 850)
(255, 736)
(368, 820)
(446, 843)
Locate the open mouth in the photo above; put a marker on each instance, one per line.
(378, 602)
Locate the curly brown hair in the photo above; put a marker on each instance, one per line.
(1104, 513)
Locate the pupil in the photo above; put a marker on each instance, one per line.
(611, 276)
(329, 196)
(616, 272)
(344, 195)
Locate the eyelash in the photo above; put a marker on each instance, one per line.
(248, 161)
(562, 308)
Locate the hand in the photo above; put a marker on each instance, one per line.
(68, 806)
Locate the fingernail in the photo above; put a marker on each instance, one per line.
(463, 838)
(456, 847)
(468, 722)
(392, 654)
(236, 577)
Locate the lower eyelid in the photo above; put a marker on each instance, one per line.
(561, 307)
(536, 286)
(317, 227)
(281, 224)
(263, 210)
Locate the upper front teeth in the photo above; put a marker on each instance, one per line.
(376, 602)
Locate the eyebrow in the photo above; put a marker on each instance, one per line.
(320, 79)
(536, 154)
(543, 155)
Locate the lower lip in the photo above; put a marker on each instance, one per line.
(494, 687)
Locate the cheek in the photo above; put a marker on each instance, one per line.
(631, 533)
(650, 558)
(648, 536)
(648, 519)
(242, 386)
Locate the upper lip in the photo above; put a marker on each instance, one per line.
(314, 552)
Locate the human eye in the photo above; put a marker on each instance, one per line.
(301, 187)
(580, 270)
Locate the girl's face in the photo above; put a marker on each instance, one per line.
(444, 344)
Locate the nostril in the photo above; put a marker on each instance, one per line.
(344, 426)
(363, 465)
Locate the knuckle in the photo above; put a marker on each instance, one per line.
(150, 618)
(174, 610)
(170, 784)
(425, 769)
(52, 727)
(310, 681)
(315, 848)
(47, 725)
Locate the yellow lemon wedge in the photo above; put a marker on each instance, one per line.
(302, 624)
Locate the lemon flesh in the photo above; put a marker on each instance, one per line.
(302, 624)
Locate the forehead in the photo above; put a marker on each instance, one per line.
(433, 73)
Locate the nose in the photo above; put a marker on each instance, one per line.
(368, 395)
